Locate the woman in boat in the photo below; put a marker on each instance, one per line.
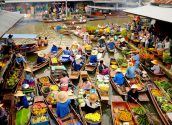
(45, 41)
(102, 41)
(93, 57)
(111, 44)
(86, 85)
(133, 93)
(3, 115)
(130, 73)
(20, 60)
(29, 79)
(156, 68)
(122, 43)
(88, 48)
(40, 59)
(63, 104)
(103, 69)
(77, 63)
(66, 51)
(54, 49)
(91, 103)
(119, 79)
(21, 100)
(64, 82)
(86, 38)
(136, 59)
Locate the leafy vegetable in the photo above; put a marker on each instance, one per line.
(23, 116)
(167, 107)
(139, 110)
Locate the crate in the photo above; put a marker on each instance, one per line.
(40, 123)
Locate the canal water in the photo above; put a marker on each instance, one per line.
(43, 30)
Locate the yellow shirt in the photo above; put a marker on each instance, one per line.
(87, 47)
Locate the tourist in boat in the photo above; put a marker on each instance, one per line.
(156, 68)
(40, 58)
(88, 48)
(86, 85)
(54, 49)
(29, 79)
(111, 44)
(66, 51)
(3, 115)
(77, 63)
(86, 38)
(102, 41)
(39, 41)
(20, 60)
(133, 93)
(63, 104)
(64, 82)
(21, 100)
(93, 57)
(45, 41)
(103, 69)
(130, 73)
(136, 59)
(91, 104)
(119, 79)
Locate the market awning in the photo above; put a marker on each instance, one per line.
(20, 36)
(8, 20)
(106, 8)
(155, 12)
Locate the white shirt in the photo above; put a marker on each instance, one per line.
(93, 105)
(156, 69)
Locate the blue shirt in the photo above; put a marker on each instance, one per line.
(93, 59)
(20, 60)
(66, 52)
(111, 45)
(28, 76)
(24, 102)
(119, 79)
(76, 66)
(137, 60)
(63, 109)
(130, 72)
(40, 60)
(54, 49)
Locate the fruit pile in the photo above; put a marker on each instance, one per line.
(39, 108)
(125, 116)
(156, 92)
(44, 80)
(13, 79)
(54, 88)
(51, 99)
(95, 117)
(39, 119)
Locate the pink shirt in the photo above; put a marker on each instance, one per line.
(64, 83)
(87, 85)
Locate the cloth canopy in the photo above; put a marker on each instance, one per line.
(155, 12)
(20, 36)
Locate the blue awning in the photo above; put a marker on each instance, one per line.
(21, 36)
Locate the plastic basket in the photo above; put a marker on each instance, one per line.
(40, 123)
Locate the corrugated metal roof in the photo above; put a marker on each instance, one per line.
(7, 20)
(155, 12)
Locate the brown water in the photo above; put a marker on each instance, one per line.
(43, 30)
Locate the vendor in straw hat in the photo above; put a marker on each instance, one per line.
(3, 115)
(77, 63)
(28, 76)
(101, 41)
(156, 68)
(93, 57)
(111, 44)
(133, 93)
(40, 58)
(63, 104)
(119, 79)
(130, 73)
(21, 100)
(20, 60)
(92, 104)
(88, 48)
(103, 69)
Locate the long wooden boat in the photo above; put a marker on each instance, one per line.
(37, 67)
(54, 21)
(91, 69)
(117, 108)
(84, 74)
(74, 22)
(162, 115)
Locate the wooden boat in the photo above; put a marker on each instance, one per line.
(110, 50)
(162, 115)
(74, 22)
(54, 21)
(91, 68)
(64, 32)
(37, 67)
(84, 74)
(116, 108)
(96, 18)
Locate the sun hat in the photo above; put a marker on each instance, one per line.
(118, 70)
(122, 39)
(1, 104)
(19, 93)
(28, 69)
(40, 54)
(18, 55)
(130, 64)
(102, 37)
(119, 36)
(77, 57)
(62, 97)
(111, 39)
(154, 62)
(94, 52)
(134, 86)
(93, 98)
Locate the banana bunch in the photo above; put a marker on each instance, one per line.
(95, 117)
(39, 119)
(39, 111)
(103, 87)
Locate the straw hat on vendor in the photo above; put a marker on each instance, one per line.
(28, 69)
(93, 98)
(130, 64)
(111, 39)
(94, 52)
(18, 55)
(155, 62)
(134, 86)
(118, 70)
(40, 54)
(122, 40)
(102, 37)
(19, 93)
(62, 97)
(78, 59)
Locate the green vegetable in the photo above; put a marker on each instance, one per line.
(142, 120)
(167, 107)
(139, 110)
(124, 64)
(23, 116)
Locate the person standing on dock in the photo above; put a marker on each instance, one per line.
(10, 42)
